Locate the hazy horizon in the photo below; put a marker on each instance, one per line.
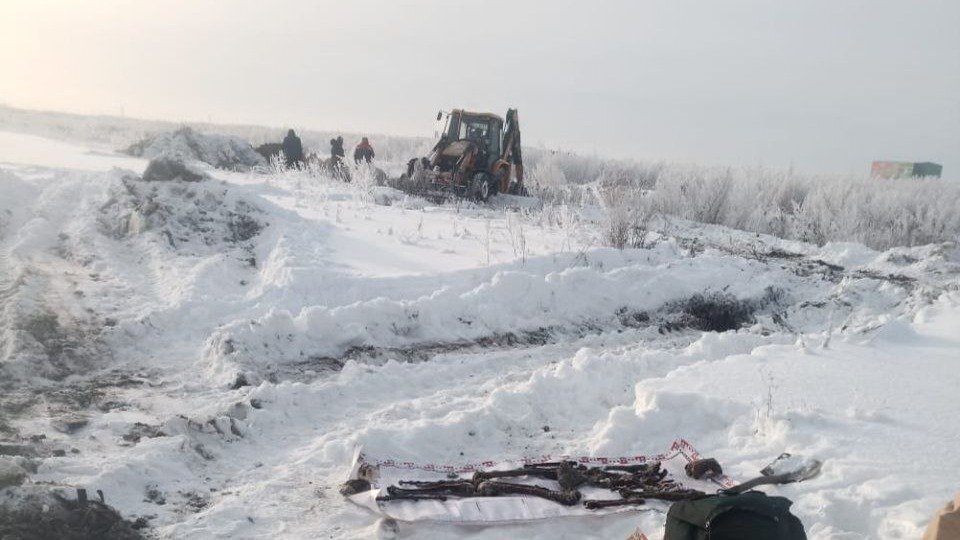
(823, 87)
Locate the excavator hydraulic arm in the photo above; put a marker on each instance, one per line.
(511, 144)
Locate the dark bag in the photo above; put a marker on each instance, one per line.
(746, 516)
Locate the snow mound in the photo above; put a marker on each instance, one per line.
(41, 227)
(12, 208)
(656, 415)
(185, 144)
(193, 218)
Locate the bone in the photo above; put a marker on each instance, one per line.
(493, 488)
(594, 504)
(459, 489)
(421, 497)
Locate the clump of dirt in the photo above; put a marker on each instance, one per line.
(153, 495)
(194, 218)
(241, 224)
(66, 404)
(240, 381)
(36, 513)
(193, 501)
(45, 332)
(139, 430)
(164, 169)
(633, 319)
(42, 344)
(12, 472)
(69, 423)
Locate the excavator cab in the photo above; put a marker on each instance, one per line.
(483, 130)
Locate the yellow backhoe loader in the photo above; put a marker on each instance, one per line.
(478, 155)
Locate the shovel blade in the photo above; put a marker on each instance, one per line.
(793, 468)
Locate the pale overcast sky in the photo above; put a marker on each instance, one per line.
(827, 85)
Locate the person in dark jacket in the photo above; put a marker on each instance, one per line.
(336, 149)
(337, 166)
(363, 152)
(292, 149)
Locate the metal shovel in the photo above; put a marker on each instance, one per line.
(785, 469)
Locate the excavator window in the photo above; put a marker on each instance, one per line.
(483, 131)
(474, 130)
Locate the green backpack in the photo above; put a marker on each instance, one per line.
(746, 516)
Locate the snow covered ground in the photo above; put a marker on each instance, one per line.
(211, 354)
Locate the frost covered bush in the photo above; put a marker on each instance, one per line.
(549, 168)
(547, 181)
(878, 213)
(563, 178)
(818, 209)
(627, 211)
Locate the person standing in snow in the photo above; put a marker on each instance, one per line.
(336, 149)
(292, 149)
(336, 164)
(363, 152)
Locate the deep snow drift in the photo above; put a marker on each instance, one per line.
(210, 354)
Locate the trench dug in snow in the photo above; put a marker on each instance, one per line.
(222, 380)
(715, 312)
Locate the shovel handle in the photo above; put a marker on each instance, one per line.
(784, 478)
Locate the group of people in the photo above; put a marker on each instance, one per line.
(363, 152)
(293, 150)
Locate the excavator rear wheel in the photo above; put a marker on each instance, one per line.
(481, 187)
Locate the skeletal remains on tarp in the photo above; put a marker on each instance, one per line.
(634, 484)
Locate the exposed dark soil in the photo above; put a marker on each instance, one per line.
(165, 169)
(139, 431)
(37, 514)
(191, 218)
(713, 312)
(317, 365)
(804, 266)
(706, 312)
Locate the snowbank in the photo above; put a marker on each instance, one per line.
(185, 144)
(527, 305)
(513, 302)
